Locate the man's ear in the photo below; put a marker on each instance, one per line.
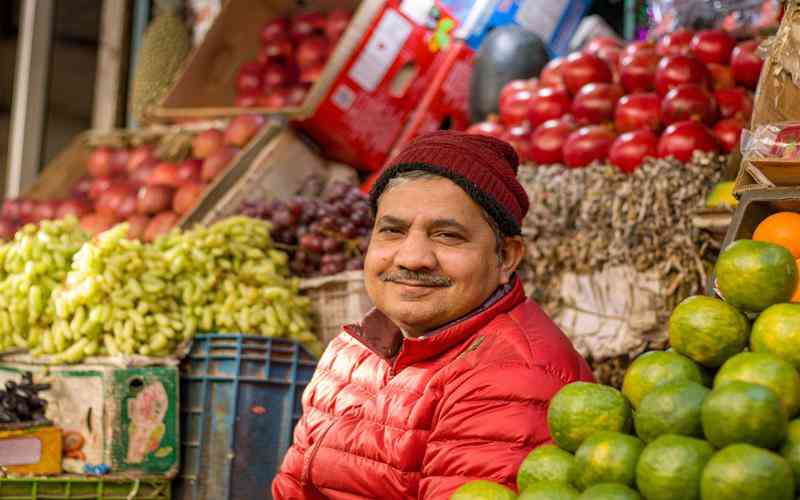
(512, 254)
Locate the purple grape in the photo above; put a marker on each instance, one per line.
(312, 243)
(355, 264)
(330, 245)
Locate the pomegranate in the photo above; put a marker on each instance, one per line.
(551, 75)
(95, 223)
(682, 139)
(187, 197)
(580, 69)
(243, 128)
(728, 132)
(99, 164)
(734, 103)
(274, 28)
(638, 111)
(161, 224)
(547, 141)
(336, 24)
(514, 108)
(248, 82)
(139, 156)
(312, 51)
(688, 102)
(746, 64)
(118, 201)
(189, 171)
(548, 103)
(217, 163)
(721, 77)
(305, 25)
(137, 225)
(207, 143)
(77, 207)
(164, 174)
(629, 150)
(154, 199)
(595, 103)
(588, 144)
(279, 50)
(675, 70)
(277, 75)
(637, 71)
(639, 47)
(490, 127)
(676, 43)
(712, 46)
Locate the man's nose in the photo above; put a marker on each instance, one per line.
(416, 252)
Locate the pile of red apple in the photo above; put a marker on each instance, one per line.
(292, 57)
(689, 92)
(135, 185)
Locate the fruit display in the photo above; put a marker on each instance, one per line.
(325, 235)
(716, 415)
(149, 179)
(123, 297)
(622, 104)
(292, 56)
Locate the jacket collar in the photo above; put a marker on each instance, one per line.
(382, 337)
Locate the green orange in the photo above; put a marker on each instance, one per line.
(745, 472)
(545, 463)
(607, 457)
(671, 467)
(777, 331)
(581, 409)
(483, 490)
(656, 368)
(767, 370)
(673, 408)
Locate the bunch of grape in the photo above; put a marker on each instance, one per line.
(123, 297)
(32, 265)
(323, 236)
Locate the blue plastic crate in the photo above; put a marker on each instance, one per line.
(240, 400)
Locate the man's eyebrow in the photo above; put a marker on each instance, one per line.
(448, 223)
(393, 221)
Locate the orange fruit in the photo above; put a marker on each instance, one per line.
(782, 228)
(796, 296)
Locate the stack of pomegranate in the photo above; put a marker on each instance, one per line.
(292, 57)
(143, 185)
(690, 91)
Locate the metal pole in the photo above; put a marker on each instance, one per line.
(141, 15)
(109, 103)
(29, 105)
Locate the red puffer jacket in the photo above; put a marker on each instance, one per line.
(392, 418)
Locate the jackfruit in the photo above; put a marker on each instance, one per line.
(163, 50)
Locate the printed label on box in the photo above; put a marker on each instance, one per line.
(380, 53)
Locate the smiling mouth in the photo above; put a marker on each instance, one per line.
(416, 284)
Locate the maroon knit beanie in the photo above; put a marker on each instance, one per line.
(484, 167)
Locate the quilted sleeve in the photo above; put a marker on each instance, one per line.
(489, 420)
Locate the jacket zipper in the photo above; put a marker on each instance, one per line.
(310, 454)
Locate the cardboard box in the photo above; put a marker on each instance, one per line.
(777, 99)
(121, 420)
(60, 175)
(31, 451)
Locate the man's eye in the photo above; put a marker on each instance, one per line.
(389, 230)
(450, 236)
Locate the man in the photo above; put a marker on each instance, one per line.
(449, 378)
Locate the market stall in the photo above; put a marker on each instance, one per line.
(166, 290)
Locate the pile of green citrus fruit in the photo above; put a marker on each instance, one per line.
(716, 417)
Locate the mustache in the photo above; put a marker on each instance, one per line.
(424, 279)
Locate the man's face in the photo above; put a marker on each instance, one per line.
(431, 257)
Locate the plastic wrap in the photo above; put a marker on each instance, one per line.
(739, 16)
(774, 140)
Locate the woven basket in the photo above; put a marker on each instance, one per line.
(335, 301)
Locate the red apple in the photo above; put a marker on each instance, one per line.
(137, 225)
(139, 156)
(547, 141)
(245, 101)
(728, 132)
(638, 111)
(514, 108)
(99, 186)
(119, 201)
(746, 64)
(637, 71)
(154, 199)
(218, 163)
(682, 139)
(336, 24)
(305, 25)
(161, 224)
(26, 208)
(119, 161)
(141, 175)
(189, 171)
(639, 47)
(520, 138)
(675, 70)
(273, 100)
(82, 187)
(310, 74)
(599, 42)
(10, 209)
(588, 144)
(734, 103)
(243, 128)
(8, 228)
(187, 197)
(688, 102)
(77, 207)
(713, 46)
(721, 77)
(278, 50)
(46, 210)
(164, 174)
(551, 75)
(514, 86)
(580, 69)
(548, 103)
(207, 143)
(490, 127)
(312, 51)
(296, 94)
(676, 43)
(611, 56)
(278, 75)
(595, 103)
(629, 150)
(274, 28)
(95, 223)
(99, 164)
(248, 82)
